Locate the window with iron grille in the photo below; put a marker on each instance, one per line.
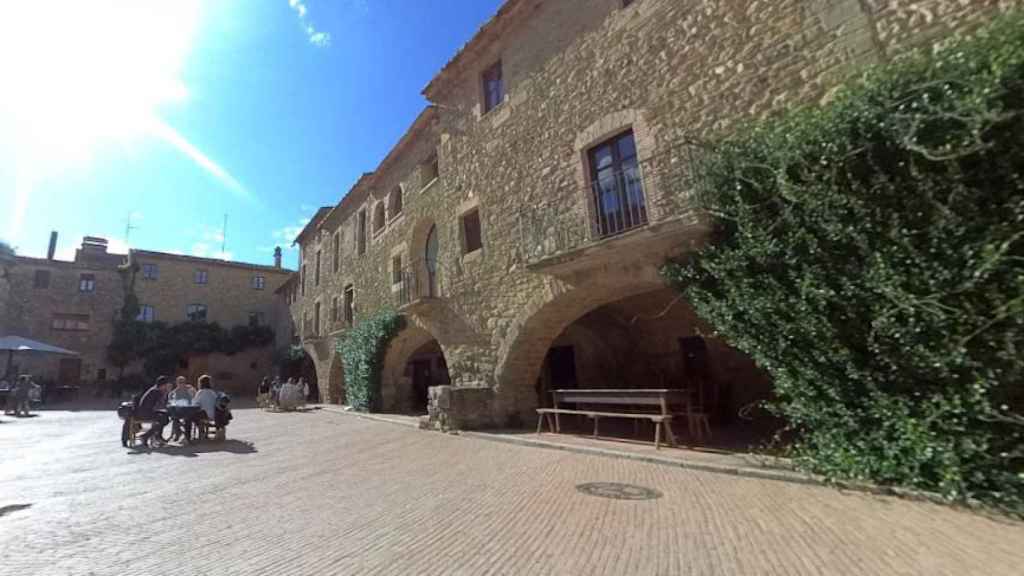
(472, 239)
(494, 87)
(87, 283)
(201, 276)
(616, 186)
(42, 279)
(196, 312)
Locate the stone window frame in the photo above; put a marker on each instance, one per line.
(432, 159)
(360, 231)
(379, 209)
(259, 282)
(348, 304)
(601, 130)
(390, 214)
(470, 205)
(201, 276)
(150, 271)
(498, 64)
(87, 283)
(398, 251)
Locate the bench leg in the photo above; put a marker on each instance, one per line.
(596, 419)
(657, 435)
(540, 422)
(636, 427)
(558, 424)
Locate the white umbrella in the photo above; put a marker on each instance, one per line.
(14, 344)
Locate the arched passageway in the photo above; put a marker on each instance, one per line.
(336, 381)
(413, 363)
(638, 338)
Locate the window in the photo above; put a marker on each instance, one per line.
(349, 311)
(146, 313)
(395, 203)
(378, 218)
(150, 272)
(336, 253)
(196, 312)
(494, 87)
(430, 170)
(618, 194)
(101, 373)
(316, 270)
(361, 232)
(256, 319)
(302, 280)
(472, 240)
(396, 269)
(70, 322)
(201, 276)
(42, 279)
(316, 319)
(259, 282)
(87, 283)
(334, 309)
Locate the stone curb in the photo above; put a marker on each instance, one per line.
(747, 472)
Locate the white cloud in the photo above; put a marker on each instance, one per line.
(316, 38)
(287, 234)
(204, 250)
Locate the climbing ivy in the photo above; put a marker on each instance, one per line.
(869, 254)
(362, 353)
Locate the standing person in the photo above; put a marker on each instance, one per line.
(305, 391)
(263, 393)
(20, 394)
(151, 407)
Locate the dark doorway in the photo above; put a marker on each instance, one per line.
(562, 366)
(69, 372)
(422, 378)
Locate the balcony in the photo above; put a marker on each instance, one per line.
(419, 285)
(641, 215)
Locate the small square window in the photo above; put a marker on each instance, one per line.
(150, 272)
(201, 277)
(494, 87)
(472, 240)
(42, 279)
(259, 282)
(87, 283)
(146, 313)
(196, 312)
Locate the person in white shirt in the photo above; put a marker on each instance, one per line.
(206, 397)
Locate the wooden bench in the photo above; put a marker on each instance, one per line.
(657, 419)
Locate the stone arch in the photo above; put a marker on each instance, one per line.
(398, 385)
(523, 350)
(396, 202)
(379, 217)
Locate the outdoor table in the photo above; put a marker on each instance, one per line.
(179, 414)
(661, 398)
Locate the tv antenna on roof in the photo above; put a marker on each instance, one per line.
(224, 236)
(128, 227)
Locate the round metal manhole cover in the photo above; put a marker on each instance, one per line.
(617, 491)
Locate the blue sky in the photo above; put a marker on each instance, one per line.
(173, 114)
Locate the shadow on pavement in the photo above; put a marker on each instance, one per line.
(193, 451)
(5, 510)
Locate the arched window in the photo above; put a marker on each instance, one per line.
(395, 203)
(378, 217)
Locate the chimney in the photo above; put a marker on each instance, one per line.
(94, 245)
(53, 245)
(277, 257)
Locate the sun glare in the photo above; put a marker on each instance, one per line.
(82, 75)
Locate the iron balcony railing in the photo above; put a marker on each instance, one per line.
(613, 204)
(618, 202)
(419, 279)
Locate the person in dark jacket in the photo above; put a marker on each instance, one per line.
(152, 407)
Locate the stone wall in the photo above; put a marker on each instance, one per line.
(575, 73)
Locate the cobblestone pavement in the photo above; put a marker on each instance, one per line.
(322, 493)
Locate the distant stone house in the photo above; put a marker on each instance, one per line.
(73, 304)
(520, 222)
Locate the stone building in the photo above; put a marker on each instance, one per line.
(74, 304)
(520, 222)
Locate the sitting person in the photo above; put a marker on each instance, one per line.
(151, 407)
(206, 398)
(290, 396)
(181, 393)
